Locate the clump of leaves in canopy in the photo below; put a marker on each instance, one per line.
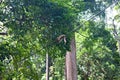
(42, 19)
(97, 55)
(33, 26)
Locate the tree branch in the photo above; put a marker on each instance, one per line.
(3, 33)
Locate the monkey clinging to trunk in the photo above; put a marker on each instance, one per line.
(61, 38)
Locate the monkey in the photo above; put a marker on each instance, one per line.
(61, 38)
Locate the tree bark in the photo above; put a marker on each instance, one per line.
(47, 66)
(71, 67)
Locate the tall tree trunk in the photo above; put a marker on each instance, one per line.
(71, 67)
(0, 77)
(119, 46)
(47, 66)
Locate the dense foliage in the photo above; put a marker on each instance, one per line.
(33, 27)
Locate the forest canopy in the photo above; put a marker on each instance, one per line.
(59, 40)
